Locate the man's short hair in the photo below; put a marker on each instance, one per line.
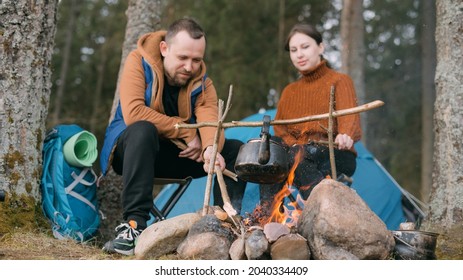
(185, 24)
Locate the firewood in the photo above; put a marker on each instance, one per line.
(221, 215)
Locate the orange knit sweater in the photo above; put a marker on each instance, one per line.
(310, 95)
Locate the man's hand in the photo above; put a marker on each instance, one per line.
(193, 151)
(219, 160)
(344, 141)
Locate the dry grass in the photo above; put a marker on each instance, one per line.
(40, 245)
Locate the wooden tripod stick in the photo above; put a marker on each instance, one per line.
(210, 173)
(330, 136)
(221, 116)
(335, 114)
(227, 205)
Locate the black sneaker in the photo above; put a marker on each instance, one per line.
(125, 241)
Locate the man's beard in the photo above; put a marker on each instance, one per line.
(178, 81)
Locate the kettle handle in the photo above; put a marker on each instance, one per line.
(264, 149)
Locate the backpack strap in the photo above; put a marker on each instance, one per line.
(58, 231)
(80, 179)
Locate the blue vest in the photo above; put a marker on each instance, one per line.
(117, 125)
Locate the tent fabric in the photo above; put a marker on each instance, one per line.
(370, 180)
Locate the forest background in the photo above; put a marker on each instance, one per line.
(406, 53)
(245, 48)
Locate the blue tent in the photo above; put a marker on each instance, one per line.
(371, 181)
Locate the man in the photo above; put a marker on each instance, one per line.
(164, 83)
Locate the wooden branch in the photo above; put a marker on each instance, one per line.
(323, 142)
(222, 184)
(227, 205)
(340, 113)
(210, 173)
(228, 106)
(221, 116)
(226, 172)
(330, 135)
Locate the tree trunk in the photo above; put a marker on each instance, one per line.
(27, 31)
(353, 50)
(428, 58)
(281, 54)
(70, 30)
(446, 200)
(143, 16)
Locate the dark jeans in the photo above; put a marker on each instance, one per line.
(313, 167)
(141, 155)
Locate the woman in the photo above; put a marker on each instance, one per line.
(310, 95)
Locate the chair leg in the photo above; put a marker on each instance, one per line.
(162, 214)
(176, 196)
(343, 178)
(157, 214)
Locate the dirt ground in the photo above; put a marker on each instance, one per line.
(41, 245)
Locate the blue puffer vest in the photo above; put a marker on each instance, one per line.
(117, 125)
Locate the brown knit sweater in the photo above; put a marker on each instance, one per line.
(310, 95)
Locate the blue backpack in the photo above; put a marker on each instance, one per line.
(69, 198)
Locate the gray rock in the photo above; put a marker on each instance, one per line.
(210, 223)
(290, 247)
(257, 246)
(338, 224)
(163, 237)
(205, 246)
(237, 249)
(273, 231)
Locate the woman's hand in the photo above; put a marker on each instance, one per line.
(344, 141)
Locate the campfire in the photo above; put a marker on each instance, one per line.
(287, 207)
(333, 223)
(287, 204)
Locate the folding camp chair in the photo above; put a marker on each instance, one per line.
(183, 184)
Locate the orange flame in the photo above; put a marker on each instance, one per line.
(286, 208)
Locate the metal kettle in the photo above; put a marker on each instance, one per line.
(262, 160)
